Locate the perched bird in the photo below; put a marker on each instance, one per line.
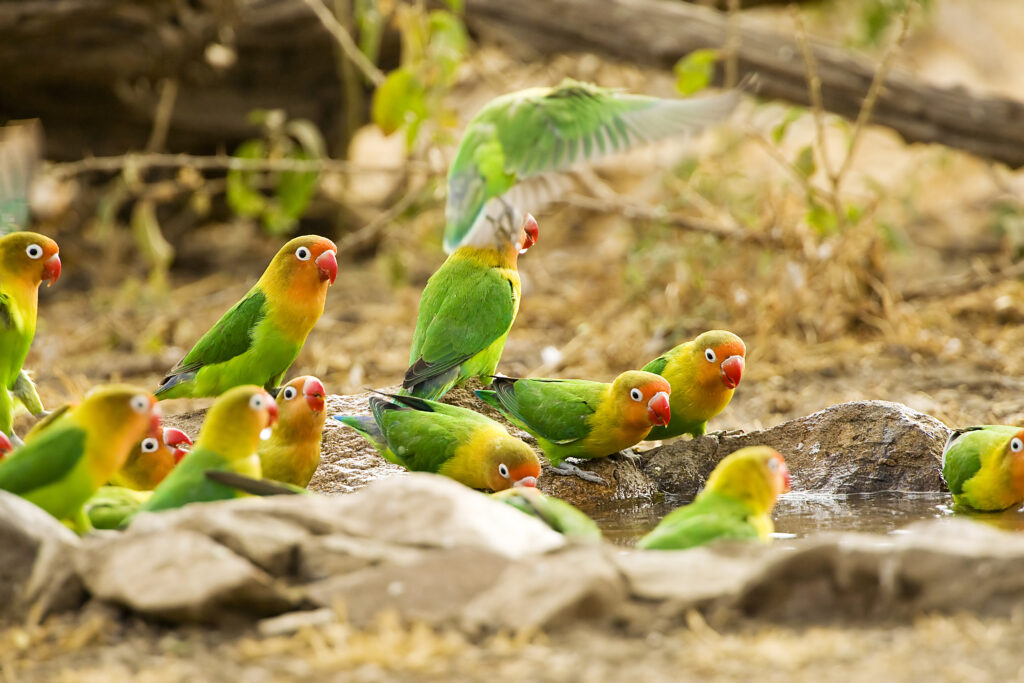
(151, 460)
(427, 436)
(63, 465)
(735, 503)
(704, 373)
(563, 517)
(258, 339)
(5, 446)
(26, 260)
(984, 467)
(466, 312)
(583, 419)
(110, 506)
(228, 440)
(512, 148)
(292, 453)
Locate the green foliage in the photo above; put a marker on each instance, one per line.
(877, 16)
(695, 71)
(779, 131)
(804, 163)
(277, 198)
(822, 220)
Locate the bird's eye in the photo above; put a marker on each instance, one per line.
(34, 251)
(290, 393)
(140, 403)
(257, 402)
(773, 464)
(1016, 445)
(503, 470)
(710, 355)
(150, 445)
(636, 394)
(303, 253)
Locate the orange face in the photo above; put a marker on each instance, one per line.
(1015, 451)
(645, 397)
(307, 262)
(309, 390)
(722, 364)
(778, 473)
(30, 256)
(512, 463)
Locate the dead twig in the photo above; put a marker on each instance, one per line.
(348, 46)
(964, 283)
(362, 236)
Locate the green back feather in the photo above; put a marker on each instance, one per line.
(711, 516)
(558, 410)
(45, 460)
(187, 482)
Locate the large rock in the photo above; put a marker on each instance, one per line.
(858, 447)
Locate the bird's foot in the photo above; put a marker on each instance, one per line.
(569, 470)
(630, 455)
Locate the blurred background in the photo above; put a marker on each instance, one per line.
(862, 250)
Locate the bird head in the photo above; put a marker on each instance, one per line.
(644, 397)
(755, 475)
(305, 264)
(31, 257)
(721, 359)
(511, 463)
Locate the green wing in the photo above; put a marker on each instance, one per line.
(230, 337)
(708, 518)
(525, 134)
(6, 321)
(187, 483)
(110, 506)
(962, 454)
(47, 459)
(554, 409)
(422, 434)
(464, 309)
(657, 366)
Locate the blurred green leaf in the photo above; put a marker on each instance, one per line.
(779, 131)
(399, 99)
(242, 195)
(695, 71)
(821, 220)
(456, 6)
(448, 42)
(804, 162)
(370, 24)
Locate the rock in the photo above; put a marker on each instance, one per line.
(858, 447)
(35, 561)
(291, 622)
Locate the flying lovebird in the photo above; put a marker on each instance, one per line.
(575, 418)
(151, 460)
(467, 310)
(228, 440)
(427, 436)
(563, 517)
(984, 467)
(513, 148)
(704, 373)
(292, 453)
(258, 339)
(63, 465)
(736, 503)
(26, 260)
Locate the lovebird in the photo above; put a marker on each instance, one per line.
(258, 339)
(736, 503)
(151, 460)
(563, 517)
(63, 465)
(292, 453)
(427, 436)
(704, 373)
(466, 312)
(109, 507)
(514, 145)
(26, 260)
(576, 418)
(984, 467)
(228, 440)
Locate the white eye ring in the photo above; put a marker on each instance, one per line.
(503, 470)
(709, 354)
(1016, 445)
(290, 393)
(149, 445)
(256, 402)
(34, 251)
(636, 394)
(303, 253)
(140, 403)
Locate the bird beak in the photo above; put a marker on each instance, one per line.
(526, 481)
(327, 266)
(784, 476)
(732, 371)
(51, 270)
(658, 411)
(271, 413)
(5, 445)
(177, 440)
(315, 393)
(532, 233)
(154, 423)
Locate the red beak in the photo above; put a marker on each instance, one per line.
(784, 475)
(271, 411)
(5, 445)
(51, 270)
(327, 266)
(732, 371)
(658, 410)
(532, 233)
(315, 394)
(154, 424)
(526, 481)
(173, 438)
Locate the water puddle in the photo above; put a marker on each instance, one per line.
(799, 514)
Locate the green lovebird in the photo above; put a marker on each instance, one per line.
(563, 517)
(292, 453)
(984, 467)
(228, 440)
(151, 460)
(466, 312)
(258, 339)
(78, 451)
(736, 503)
(582, 419)
(26, 260)
(427, 436)
(704, 373)
(514, 145)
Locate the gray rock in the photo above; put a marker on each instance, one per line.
(858, 447)
(35, 566)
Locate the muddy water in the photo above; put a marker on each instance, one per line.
(800, 514)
